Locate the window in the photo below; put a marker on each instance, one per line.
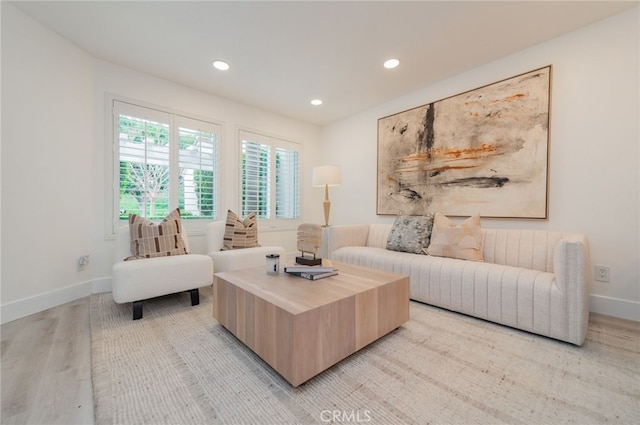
(270, 177)
(164, 161)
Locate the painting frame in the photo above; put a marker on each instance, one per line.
(484, 151)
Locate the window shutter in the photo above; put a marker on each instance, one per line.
(287, 183)
(270, 178)
(197, 162)
(163, 161)
(256, 172)
(143, 142)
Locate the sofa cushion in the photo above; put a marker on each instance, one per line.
(410, 234)
(462, 241)
(154, 277)
(239, 233)
(150, 240)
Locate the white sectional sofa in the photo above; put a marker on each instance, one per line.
(533, 280)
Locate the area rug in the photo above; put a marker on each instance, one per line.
(177, 365)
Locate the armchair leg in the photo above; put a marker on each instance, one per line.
(195, 296)
(137, 310)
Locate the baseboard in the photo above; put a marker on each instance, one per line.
(101, 285)
(37, 303)
(616, 307)
(31, 305)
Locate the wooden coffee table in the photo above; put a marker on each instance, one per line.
(302, 327)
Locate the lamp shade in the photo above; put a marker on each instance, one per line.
(327, 175)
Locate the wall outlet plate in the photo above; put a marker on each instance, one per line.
(83, 260)
(602, 273)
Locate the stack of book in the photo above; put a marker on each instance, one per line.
(311, 272)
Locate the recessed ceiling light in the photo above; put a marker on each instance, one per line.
(391, 63)
(316, 102)
(221, 65)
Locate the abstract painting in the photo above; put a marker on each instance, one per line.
(480, 152)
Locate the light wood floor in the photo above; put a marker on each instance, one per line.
(46, 367)
(46, 364)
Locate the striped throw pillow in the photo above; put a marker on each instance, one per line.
(240, 233)
(150, 240)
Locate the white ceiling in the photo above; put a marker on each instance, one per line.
(283, 54)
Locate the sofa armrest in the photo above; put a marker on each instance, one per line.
(214, 235)
(572, 267)
(347, 235)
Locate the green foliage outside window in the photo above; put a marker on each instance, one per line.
(204, 192)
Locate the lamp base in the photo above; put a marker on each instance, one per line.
(327, 207)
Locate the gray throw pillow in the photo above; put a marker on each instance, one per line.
(410, 234)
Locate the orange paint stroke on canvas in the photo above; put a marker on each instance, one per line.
(511, 98)
(483, 150)
(442, 159)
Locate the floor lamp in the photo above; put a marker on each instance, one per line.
(326, 175)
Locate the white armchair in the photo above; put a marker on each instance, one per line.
(138, 280)
(234, 259)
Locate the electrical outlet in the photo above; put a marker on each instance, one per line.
(83, 260)
(602, 273)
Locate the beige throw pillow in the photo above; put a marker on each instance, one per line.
(462, 241)
(149, 240)
(239, 233)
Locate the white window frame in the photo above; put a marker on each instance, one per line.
(114, 105)
(274, 142)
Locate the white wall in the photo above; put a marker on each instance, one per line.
(54, 153)
(47, 104)
(594, 156)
